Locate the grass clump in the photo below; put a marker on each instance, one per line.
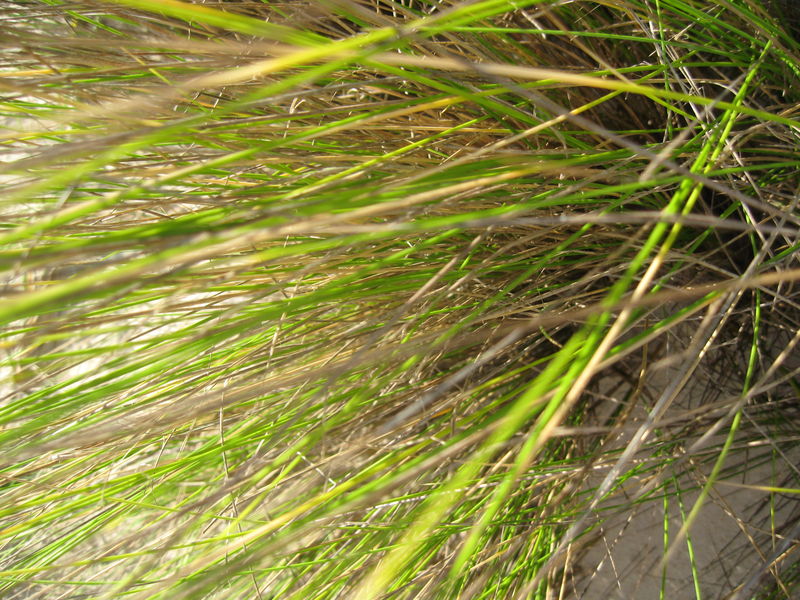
(399, 299)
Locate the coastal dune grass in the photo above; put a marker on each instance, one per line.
(397, 299)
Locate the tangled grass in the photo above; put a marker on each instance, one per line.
(399, 299)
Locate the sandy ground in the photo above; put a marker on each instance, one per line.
(739, 530)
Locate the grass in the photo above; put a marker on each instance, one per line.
(413, 299)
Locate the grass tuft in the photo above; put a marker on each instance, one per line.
(399, 299)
